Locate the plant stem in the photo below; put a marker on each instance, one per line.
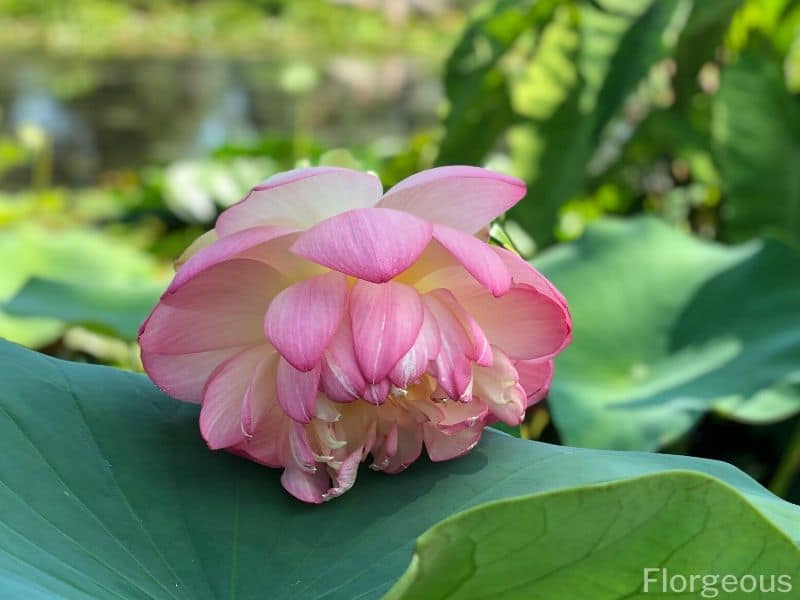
(788, 467)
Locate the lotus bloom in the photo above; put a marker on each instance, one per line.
(322, 321)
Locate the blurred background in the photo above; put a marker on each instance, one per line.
(660, 140)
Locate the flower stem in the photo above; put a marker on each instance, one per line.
(788, 467)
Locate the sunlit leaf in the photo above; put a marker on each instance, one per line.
(667, 327)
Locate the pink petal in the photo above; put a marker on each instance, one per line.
(452, 366)
(305, 486)
(183, 376)
(465, 198)
(341, 378)
(414, 363)
(222, 307)
(261, 394)
(480, 349)
(345, 476)
(300, 448)
(524, 273)
(374, 244)
(269, 444)
(386, 319)
(442, 446)
(301, 198)
(376, 393)
(452, 417)
(524, 323)
(535, 377)
(223, 250)
(297, 391)
(302, 319)
(498, 386)
(477, 257)
(221, 415)
(409, 447)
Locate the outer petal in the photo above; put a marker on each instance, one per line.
(535, 377)
(465, 198)
(374, 244)
(221, 415)
(183, 376)
(223, 250)
(524, 273)
(297, 391)
(302, 319)
(301, 198)
(524, 323)
(223, 307)
(477, 257)
(386, 319)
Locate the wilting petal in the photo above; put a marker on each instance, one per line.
(498, 386)
(297, 391)
(345, 476)
(222, 307)
(221, 415)
(414, 363)
(443, 446)
(535, 377)
(301, 198)
(386, 319)
(302, 319)
(524, 323)
(341, 378)
(374, 244)
(477, 257)
(300, 448)
(465, 198)
(409, 446)
(224, 250)
(305, 486)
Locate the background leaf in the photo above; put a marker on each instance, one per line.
(668, 327)
(756, 135)
(108, 491)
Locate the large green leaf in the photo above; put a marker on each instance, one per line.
(107, 491)
(668, 327)
(756, 134)
(72, 256)
(585, 67)
(118, 309)
(521, 548)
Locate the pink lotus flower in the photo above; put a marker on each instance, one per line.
(320, 322)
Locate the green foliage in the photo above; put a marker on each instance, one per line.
(756, 134)
(82, 265)
(108, 491)
(668, 327)
(496, 550)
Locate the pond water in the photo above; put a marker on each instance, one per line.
(118, 114)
